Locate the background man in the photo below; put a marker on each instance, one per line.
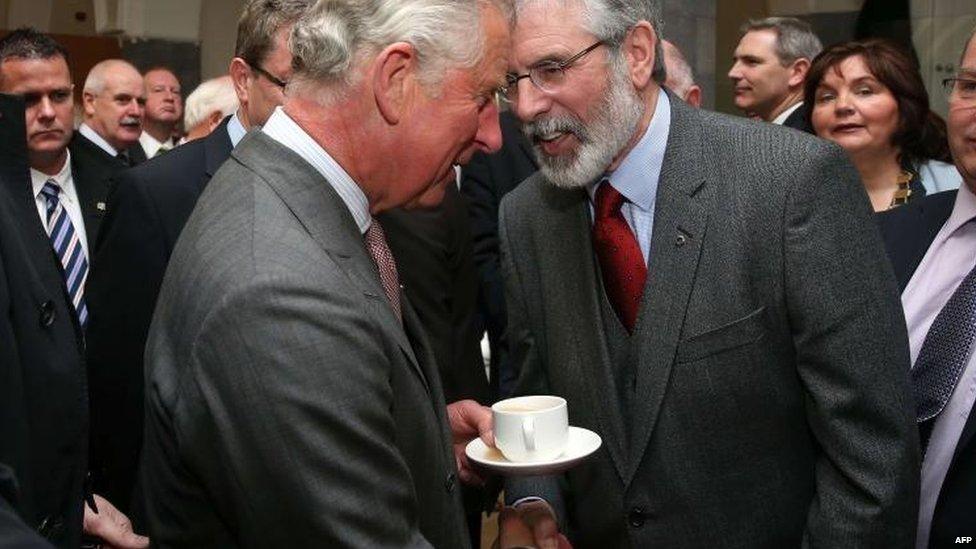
(164, 109)
(680, 77)
(931, 245)
(687, 281)
(769, 67)
(208, 105)
(146, 214)
(114, 100)
(316, 358)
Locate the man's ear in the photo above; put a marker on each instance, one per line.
(215, 119)
(798, 72)
(240, 75)
(639, 47)
(88, 103)
(394, 80)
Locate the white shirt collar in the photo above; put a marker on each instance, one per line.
(786, 114)
(284, 130)
(62, 178)
(151, 145)
(235, 130)
(93, 136)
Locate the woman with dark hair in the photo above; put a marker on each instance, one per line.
(868, 97)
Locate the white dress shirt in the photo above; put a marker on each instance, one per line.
(151, 145)
(950, 257)
(786, 114)
(284, 130)
(68, 198)
(92, 135)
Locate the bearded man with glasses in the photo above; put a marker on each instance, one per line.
(691, 283)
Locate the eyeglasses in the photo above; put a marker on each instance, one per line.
(960, 89)
(271, 78)
(548, 76)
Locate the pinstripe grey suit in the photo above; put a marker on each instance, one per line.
(286, 406)
(768, 402)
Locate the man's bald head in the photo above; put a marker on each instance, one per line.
(680, 78)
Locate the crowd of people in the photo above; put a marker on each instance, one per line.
(255, 321)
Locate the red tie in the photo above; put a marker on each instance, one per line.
(620, 256)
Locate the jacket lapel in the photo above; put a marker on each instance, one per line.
(680, 220)
(324, 215)
(576, 302)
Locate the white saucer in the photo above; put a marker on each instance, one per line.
(580, 444)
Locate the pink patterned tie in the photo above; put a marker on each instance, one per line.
(383, 258)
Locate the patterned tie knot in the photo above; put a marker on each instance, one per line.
(51, 190)
(608, 200)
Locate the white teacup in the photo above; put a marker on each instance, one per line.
(531, 428)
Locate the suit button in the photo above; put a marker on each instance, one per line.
(636, 517)
(50, 527)
(450, 483)
(47, 314)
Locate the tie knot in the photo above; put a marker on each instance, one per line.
(608, 200)
(375, 235)
(51, 190)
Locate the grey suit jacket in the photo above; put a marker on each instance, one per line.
(286, 406)
(773, 406)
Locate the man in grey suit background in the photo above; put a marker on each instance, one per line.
(292, 398)
(710, 296)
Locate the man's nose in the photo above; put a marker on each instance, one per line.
(530, 100)
(489, 136)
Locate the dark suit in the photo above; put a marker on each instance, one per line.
(286, 405)
(147, 209)
(43, 396)
(765, 401)
(800, 120)
(92, 170)
(908, 231)
(433, 252)
(485, 180)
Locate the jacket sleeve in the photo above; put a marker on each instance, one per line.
(852, 359)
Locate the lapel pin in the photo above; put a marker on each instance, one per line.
(100, 206)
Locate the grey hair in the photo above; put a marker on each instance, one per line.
(336, 35)
(260, 21)
(213, 95)
(610, 20)
(795, 38)
(95, 81)
(679, 71)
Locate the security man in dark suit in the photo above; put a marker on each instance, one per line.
(147, 209)
(43, 397)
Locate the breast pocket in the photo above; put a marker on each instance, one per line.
(740, 332)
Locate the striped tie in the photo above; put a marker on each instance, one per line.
(68, 247)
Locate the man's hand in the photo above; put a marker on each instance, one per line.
(112, 526)
(468, 420)
(531, 524)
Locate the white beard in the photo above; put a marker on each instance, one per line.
(613, 125)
